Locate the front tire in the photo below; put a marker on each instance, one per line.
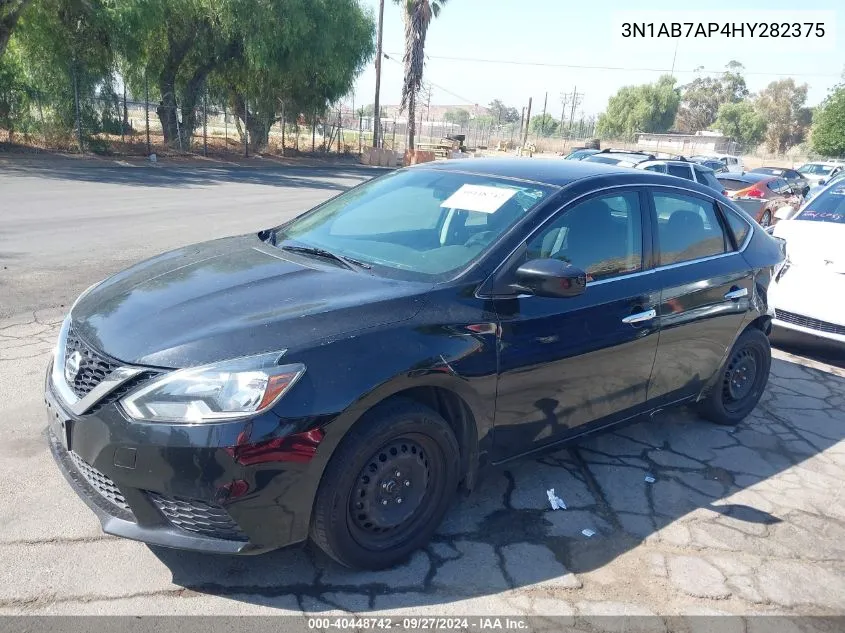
(742, 380)
(387, 486)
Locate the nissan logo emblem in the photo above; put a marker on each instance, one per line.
(72, 366)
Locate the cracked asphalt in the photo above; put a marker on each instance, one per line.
(745, 520)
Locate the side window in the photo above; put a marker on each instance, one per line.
(739, 227)
(661, 169)
(681, 171)
(688, 228)
(602, 236)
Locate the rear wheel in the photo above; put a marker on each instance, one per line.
(387, 487)
(741, 380)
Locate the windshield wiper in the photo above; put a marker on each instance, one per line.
(321, 252)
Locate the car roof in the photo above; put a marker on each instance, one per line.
(558, 172)
(768, 167)
(548, 171)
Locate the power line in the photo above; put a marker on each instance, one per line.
(446, 90)
(623, 68)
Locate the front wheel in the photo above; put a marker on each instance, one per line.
(742, 380)
(387, 487)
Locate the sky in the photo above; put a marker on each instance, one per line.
(563, 34)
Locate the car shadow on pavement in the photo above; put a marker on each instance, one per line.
(184, 176)
(674, 482)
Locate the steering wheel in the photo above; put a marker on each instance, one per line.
(480, 239)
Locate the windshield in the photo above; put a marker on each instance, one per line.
(419, 223)
(828, 206)
(736, 184)
(815, 169)
(615, 159)
(580, 154)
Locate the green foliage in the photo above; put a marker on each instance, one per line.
(702, 98)
(501, 113)
(543, 125)
(643, 108)
(828, 131)
(10, 13)
(742, 123)
(781, 104)
(457, 116)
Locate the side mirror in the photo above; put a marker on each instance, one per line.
(551, 278)
(784, 212)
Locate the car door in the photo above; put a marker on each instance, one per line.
(565, 363)
(706, 286)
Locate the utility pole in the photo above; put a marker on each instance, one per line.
(576, 99)
(527, 122)
(521, 121)
(564, 101)
(543, 120)
(376, 112)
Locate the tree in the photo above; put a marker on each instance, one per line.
(501, 113)
(299, 56)
(702, 98)
(10, 13)
(742, 123)
(543, 125)
(781, 104)
(643, 108)
(828, 131)
(458, 116)
(417, 15)
(368, 110)
(66, 55)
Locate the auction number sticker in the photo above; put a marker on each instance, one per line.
(478, 198)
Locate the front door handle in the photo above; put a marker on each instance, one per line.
(733, 295)
(639, 317)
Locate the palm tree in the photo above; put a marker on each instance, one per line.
(418, 14)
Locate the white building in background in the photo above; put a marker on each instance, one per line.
(704, 142)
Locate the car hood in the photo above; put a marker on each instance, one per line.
(234, 297)
(813, 244)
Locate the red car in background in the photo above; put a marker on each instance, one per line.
(760, 195)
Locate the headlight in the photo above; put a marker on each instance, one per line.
(221, 391)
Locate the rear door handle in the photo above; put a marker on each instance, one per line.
(639, 317)
(737, 294)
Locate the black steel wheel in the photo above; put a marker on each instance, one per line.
(742, 380)
(375, 507)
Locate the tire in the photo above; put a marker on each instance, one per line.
(387, 487)
(749, 361)
(766, 220)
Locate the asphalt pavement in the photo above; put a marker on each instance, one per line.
(682, 517)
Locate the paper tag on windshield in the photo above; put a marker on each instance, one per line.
(478, 198)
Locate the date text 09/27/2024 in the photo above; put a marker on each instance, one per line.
(418, 623)
(672, 30)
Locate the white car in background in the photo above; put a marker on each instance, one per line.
(731, 163)
(818, 173)
(808, 292)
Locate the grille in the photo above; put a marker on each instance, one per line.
(198, 517)
(93, 368)
(99, 482)
(813, 324)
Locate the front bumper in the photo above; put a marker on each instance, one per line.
(180, 486)
(810, 301)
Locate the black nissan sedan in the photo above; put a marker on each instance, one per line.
(340, 376)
